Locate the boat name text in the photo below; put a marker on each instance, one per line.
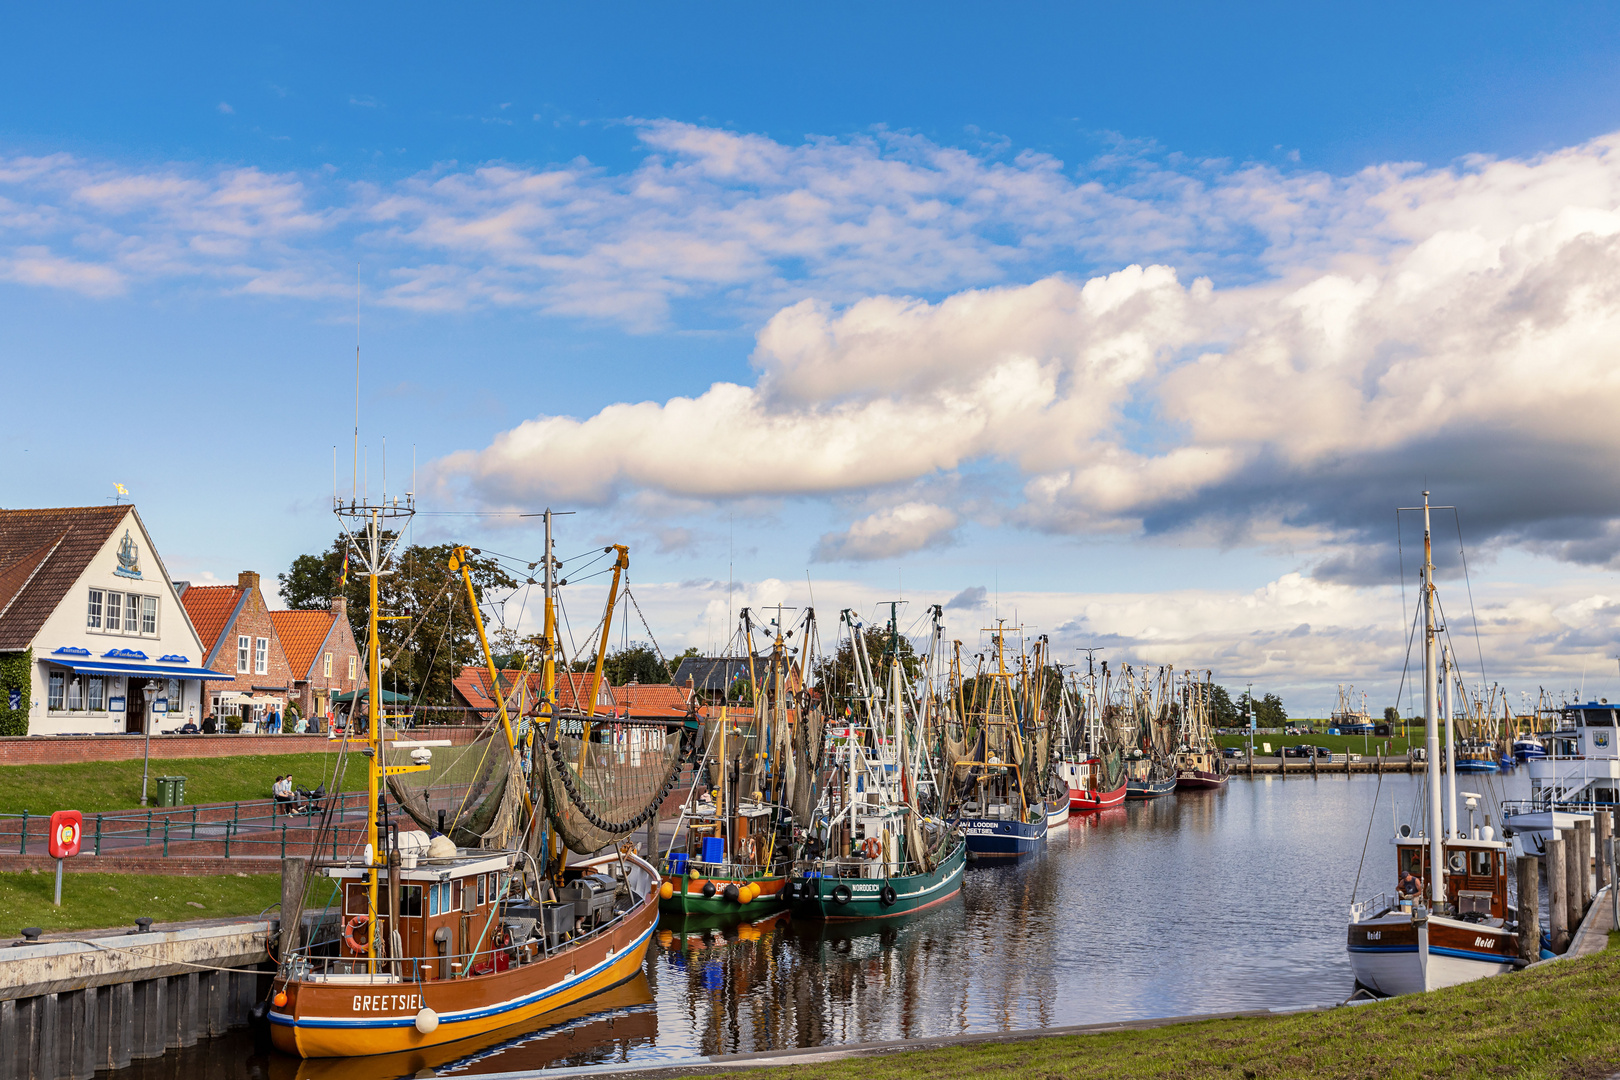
(386, 1002)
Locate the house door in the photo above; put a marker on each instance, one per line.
(135, 704)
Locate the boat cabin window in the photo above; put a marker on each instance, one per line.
(439, 898)
(1599, 717)
(1412, 861)
(410, 901)
(357, 902)
(1479, 863)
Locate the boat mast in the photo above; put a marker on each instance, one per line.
(1437, 847)
(374, 743)
(1451, 745)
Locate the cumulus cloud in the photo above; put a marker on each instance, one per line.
(899, 530)
(969, 599)
(1470, 351)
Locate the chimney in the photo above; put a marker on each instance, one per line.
(340, 607)
(247, 579)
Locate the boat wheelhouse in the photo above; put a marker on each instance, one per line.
(1578, 773)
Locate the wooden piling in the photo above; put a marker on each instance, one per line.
(1529, 868)
(1604, 821)
(1572, 881)
(294, 873)
(1557, 882)
(1583, 844)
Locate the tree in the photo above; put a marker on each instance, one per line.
(1222, 712)
(426, 650)
(637, 662)
(835, 675)
(1269, 712)
(1392, 715)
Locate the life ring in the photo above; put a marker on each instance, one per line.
(750, 849)
(348, 933)
(873, 847)
(888, 896)
(842, 894)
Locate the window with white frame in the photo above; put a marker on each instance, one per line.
(351, 669)
(261, 655)
(75, 693)
(92, 617)
(148, 614)
(242, 653)
(56, 691)
(95, 694)
(173, 694)
(326, 668)
(115, 611)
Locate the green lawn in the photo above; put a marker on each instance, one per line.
(90, 786)
(90, 901)
(1339, 744)
(1553, 1021)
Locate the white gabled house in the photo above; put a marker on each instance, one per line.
(113, 647)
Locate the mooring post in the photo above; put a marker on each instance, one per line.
(1557, 882)
(294, 872)
(1583, 844)
(1603, 821)
(1572, 879)
(1529, 868)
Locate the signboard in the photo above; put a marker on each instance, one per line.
(161, 705)
(14, 698)
(67, 831)
(115, 704)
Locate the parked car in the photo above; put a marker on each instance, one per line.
(1319, 752)
(1231, 751)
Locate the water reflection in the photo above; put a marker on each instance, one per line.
(1192, 903)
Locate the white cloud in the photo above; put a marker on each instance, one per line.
(899, 530)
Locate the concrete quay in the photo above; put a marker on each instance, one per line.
(75, 1003)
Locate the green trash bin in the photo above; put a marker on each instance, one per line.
(171, 790)
(179, 790)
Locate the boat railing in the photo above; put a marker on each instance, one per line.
(711, 869)
(1373, 905)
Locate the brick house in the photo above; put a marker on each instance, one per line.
(83, 589)
(240, 641)
(323, 656)
(472, 690)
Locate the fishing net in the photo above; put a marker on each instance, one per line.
(603, 779)
(469, 793)
(804, 763)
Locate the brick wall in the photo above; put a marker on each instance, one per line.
(52, 749)
(253, 622)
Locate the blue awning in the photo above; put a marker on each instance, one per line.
(151, 671)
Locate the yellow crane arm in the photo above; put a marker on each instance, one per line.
(458, 563)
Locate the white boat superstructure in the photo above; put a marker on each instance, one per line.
(1580, 773)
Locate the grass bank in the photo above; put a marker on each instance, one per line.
(91, 901)
(92, 786)
(1554, 1021)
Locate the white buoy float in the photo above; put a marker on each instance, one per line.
(427, 1021)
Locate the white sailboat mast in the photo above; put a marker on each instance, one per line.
(1437, 847)
(1451, 747)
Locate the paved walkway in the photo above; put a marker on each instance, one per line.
(1593, 936)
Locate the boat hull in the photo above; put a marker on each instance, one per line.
(1199, 780)
(1386, 957)
(998, 838)
(1084, 799)
(823, 899)
(687, 895)
(335, 1018)
(1137, 790)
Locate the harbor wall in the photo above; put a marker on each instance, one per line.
(62, 749)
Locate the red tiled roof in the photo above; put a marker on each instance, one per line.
(473, 686)
(210, 608)
(42, 553)
(664, 700)
(302, 634)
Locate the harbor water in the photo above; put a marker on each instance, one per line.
(1193, 903)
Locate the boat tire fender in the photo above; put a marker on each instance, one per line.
(842, 894)
(708, 890)
(888, 896)
(731, 892)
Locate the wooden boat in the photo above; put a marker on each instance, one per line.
(1147, 777)
(879, 850)
(489, 926)
(1089, 761)
(1455, 926)
(1199, 764)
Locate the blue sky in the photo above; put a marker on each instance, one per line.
(876, 226)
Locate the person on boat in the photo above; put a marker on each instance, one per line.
(1410, 884)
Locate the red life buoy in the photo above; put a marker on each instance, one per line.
(873, 847)
(348, 933)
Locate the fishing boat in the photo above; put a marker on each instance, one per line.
(735, 832)
(877, 846)
(1089, 760)
(1455, 924)
(1149, 763)
(1578, 773)
(1199, 764)
(1528, 748)
(1147, 777)
(487, 923)
(998, 776)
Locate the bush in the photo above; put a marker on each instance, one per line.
(233, 724)
(16, 671)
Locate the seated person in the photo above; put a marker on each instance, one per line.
(282, 792)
